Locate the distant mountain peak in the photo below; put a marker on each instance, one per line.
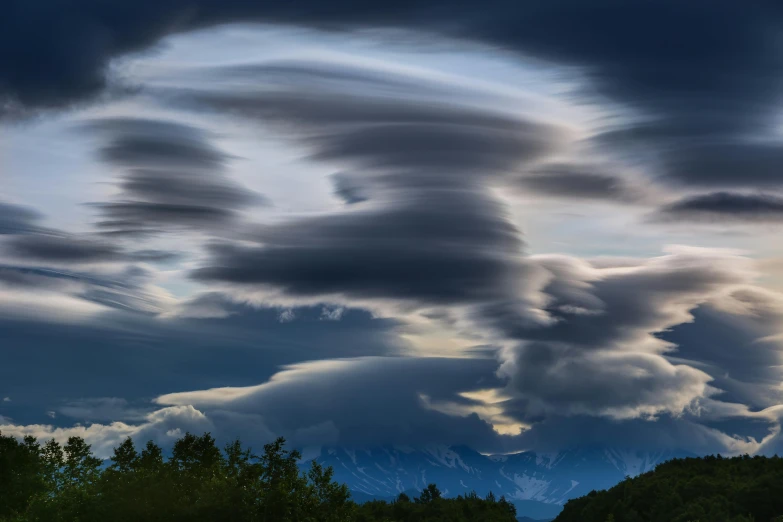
(539, 483)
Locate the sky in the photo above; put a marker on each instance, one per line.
(512, 226)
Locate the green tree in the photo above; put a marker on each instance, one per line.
(429, 494)
(200, 483)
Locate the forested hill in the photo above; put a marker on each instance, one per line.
(199, 482)
(709, 489)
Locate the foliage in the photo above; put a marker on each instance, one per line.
(709, 489)
(199, 482)
(430, 506)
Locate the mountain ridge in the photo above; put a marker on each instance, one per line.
(538, 483)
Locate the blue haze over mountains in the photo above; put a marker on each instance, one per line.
(538, 483)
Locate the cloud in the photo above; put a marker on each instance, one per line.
(55, 275)
(695, 101)
(173, 178)
(623, 306)
(163, 426)
(102, 409)
(17, 219)
(602, 355)
(46, 294)
(550, 30)
(422, 227)
(428, 230)
(577, 181)
(306, 403)
(441, 247)
(404, 136)
(566, 380)
(106, 354)
(736, 347)
(349, 188)
(724, 207)
(315, 393)
(61, 248)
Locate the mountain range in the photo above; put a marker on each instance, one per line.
(537, 483)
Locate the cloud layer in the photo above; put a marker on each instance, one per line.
(408, 306)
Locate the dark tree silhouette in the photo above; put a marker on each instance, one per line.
(709, 489)
(200, 483)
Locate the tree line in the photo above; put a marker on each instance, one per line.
(199, 482)
(707, 489)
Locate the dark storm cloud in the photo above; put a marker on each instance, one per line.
(60, 249)
(708, 82)
(430, 230)
(724, 207)
(49, 246)
(141, 143)
(443, 247)
(618, 42)
(172, 177)
(577, 181)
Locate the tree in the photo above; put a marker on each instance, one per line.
(200, 483)
(21, 476)
(428, 494)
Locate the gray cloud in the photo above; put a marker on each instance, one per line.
(441, 246)
(17, 219)
(601, 354)
(577, 181)
(312, 395)
(60, 248)
(126, 289)
(568, 380)
(173, 178)
(450, 141)
(724, 207)
(349, 188)
(606, 308)
(429, 230)
(698, 98)
(739, 351)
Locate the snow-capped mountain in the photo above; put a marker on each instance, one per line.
(538, 483)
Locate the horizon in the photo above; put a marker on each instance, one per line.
(515, 227)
